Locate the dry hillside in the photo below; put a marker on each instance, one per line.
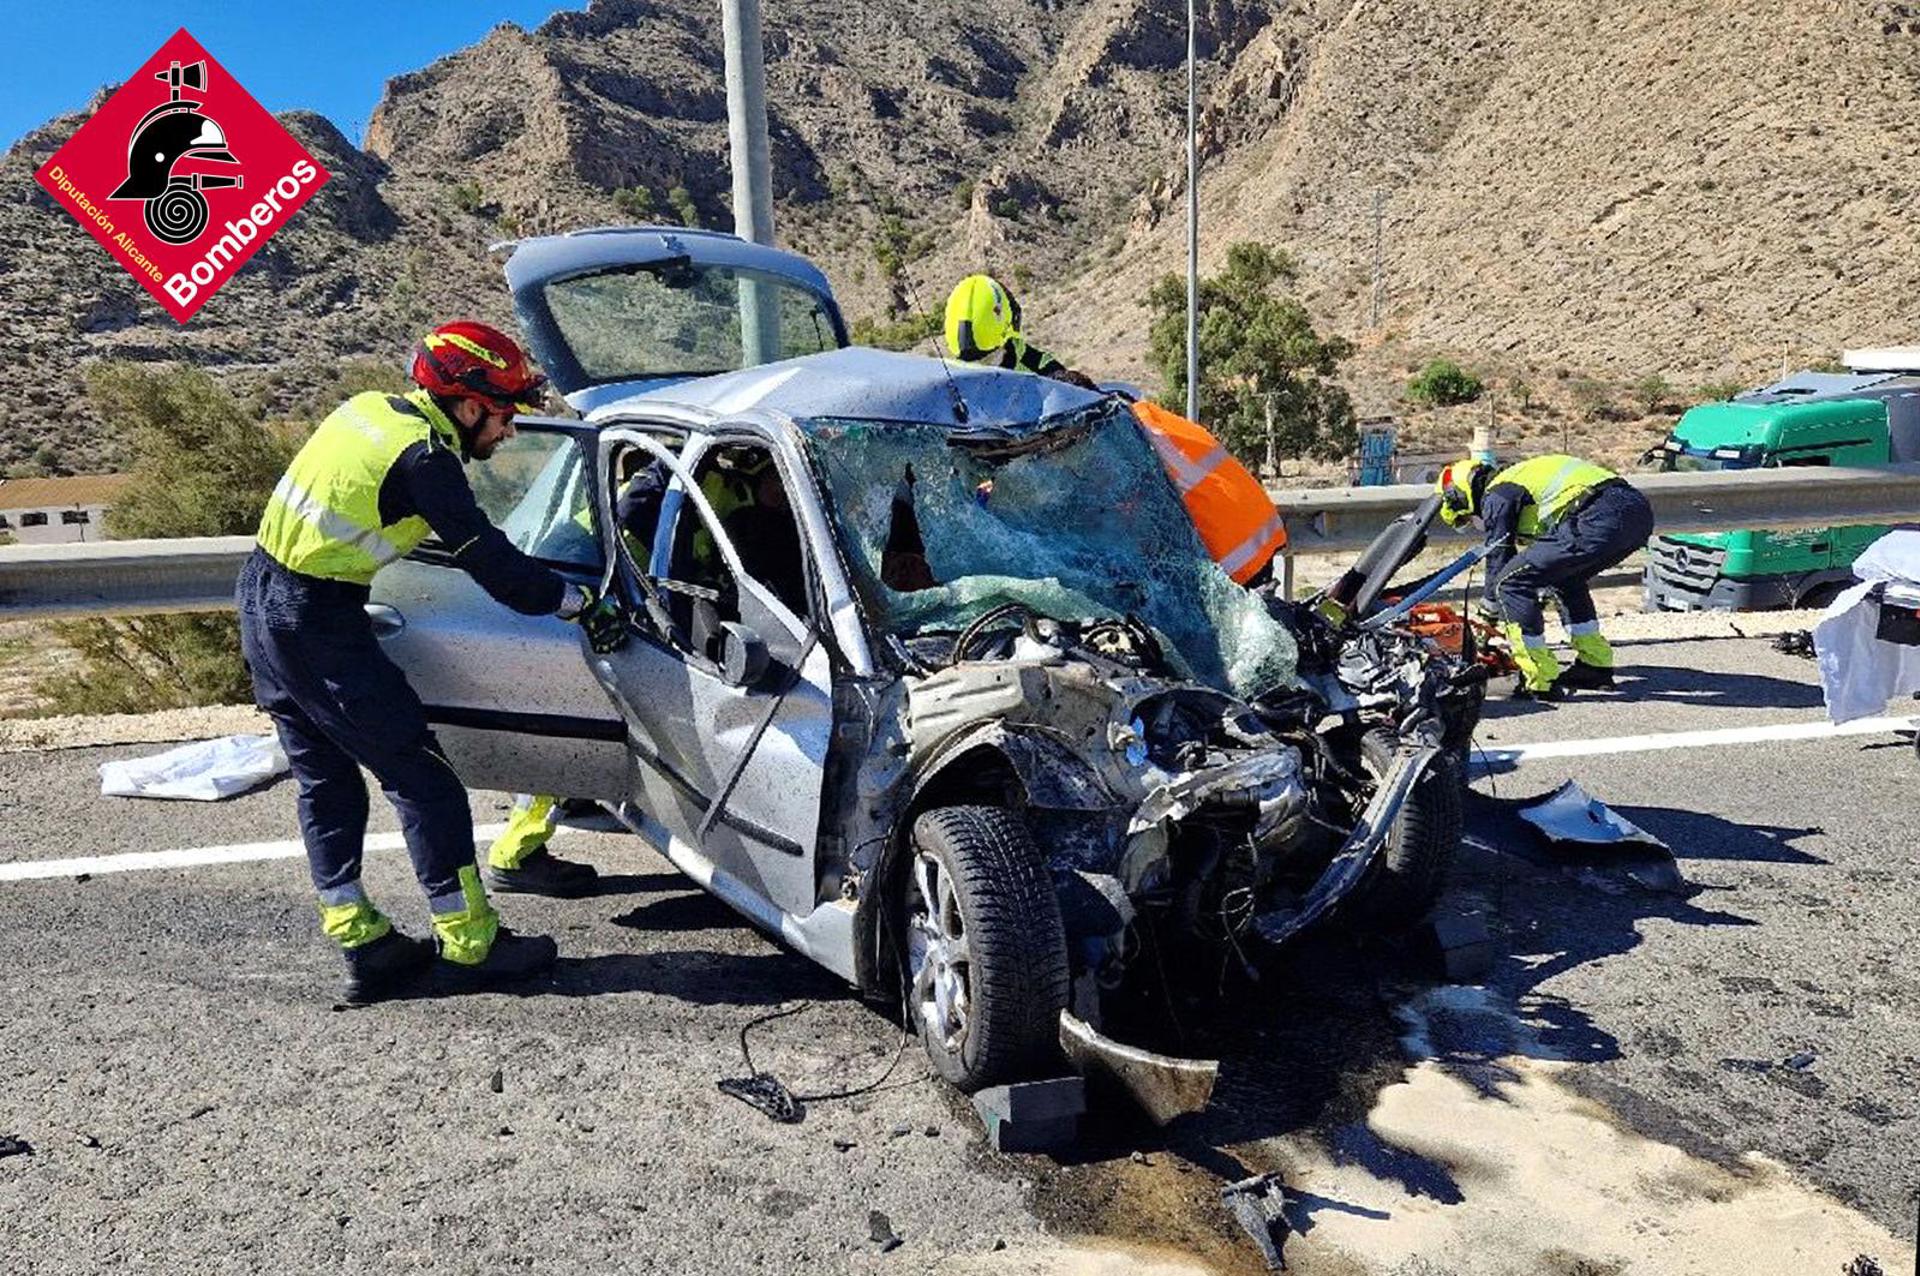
(1574, 192)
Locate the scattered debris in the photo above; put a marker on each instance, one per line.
(844, 1145)
(1258, 1205)
(1802, 1061)
(504, 1131)
(880, 1232)
(999, 1244)
(498, 1081)
(1570, 816)
(200, 1111)
(1139, 1158)
(1863, 1266)
(1165, 1087)
(81, 879)
(1032, 1116)
(932, 1131)
(88, 1141)
(1795, 642)
(900, 1131)
(10, 1146)
(1456, 944)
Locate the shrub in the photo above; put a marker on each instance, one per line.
(467, 197)
(203, 466)
(1591, 397)
(635, 202)
(1443, 383)
(1717, 391)
(680, 199)
(902, 334)
(1652, 392)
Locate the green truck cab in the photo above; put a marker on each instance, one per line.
(1859, 418)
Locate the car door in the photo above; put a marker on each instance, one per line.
(730, 762)
(512, 698)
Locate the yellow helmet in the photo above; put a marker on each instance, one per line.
(1459, 487)
(982, 316)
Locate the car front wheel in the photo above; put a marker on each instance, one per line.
(986, 949)
(1420, 847)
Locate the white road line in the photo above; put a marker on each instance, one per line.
(1689, 740)
(189, 857)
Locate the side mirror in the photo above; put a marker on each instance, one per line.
(743, 655)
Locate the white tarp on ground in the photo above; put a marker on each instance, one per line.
(1858, 673)
(203, 772)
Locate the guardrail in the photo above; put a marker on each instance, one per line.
(122, 578)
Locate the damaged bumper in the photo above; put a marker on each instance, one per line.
(1350, 867)
(1163, 1086)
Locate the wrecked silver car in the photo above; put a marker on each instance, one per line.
(932, 679)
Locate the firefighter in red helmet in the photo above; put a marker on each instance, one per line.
(380, 474)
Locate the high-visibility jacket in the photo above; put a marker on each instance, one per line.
(1232, 512)
(1555, 482)
(324, 517)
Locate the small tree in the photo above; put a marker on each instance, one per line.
(204, 466)
(1443, 383)
(467, 196)
(1258, 352)
(1652, 392)
(1717, 391)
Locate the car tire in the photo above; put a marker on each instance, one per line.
(1412, 869)
(986, 948)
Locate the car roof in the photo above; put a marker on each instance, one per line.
(863, 384)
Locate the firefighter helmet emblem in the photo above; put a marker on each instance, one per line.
(175, 130)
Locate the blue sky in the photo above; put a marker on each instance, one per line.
(327, 57)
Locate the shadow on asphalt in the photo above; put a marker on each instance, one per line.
(1720, 689)
(1660, 683)
(696, 910)
(699, 977)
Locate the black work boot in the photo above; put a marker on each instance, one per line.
(1581, 676)
(511, 959)
(542, 873)
(384, 967)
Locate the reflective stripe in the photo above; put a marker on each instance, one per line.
(1247, 551)
(1186, 474)
(338, 528)
(351, 893)
(1551, 489)
(1584, 628)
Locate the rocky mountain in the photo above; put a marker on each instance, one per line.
(1567, 191)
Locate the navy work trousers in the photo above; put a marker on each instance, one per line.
(1600, 534)
(339, 704)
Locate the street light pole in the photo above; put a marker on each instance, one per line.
(747, 120)
(1193, 224)
(752, 169)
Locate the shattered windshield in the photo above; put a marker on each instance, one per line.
(1073, 518)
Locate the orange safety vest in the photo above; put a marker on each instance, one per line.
(1236, 520)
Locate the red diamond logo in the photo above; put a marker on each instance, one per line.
(181, 175)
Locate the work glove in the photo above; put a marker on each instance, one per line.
(601, 618)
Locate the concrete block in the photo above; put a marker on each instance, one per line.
(1459, 945)
(1032, 1116)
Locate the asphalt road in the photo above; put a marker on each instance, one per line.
(170, 1052)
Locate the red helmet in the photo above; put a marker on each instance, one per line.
(471, 360)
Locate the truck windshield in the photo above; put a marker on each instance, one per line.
(1072, 517)
(1675, 456)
